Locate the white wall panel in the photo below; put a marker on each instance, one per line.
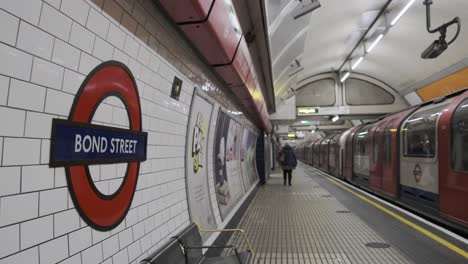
(46, 52)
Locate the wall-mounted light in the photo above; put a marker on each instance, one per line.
(402, 12)
(335, 118)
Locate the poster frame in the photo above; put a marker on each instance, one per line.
(198, 92)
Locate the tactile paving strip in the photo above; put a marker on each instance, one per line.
(302, 224)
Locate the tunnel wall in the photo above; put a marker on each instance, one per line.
(47, 51)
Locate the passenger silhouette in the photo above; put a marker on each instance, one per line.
(288, 162)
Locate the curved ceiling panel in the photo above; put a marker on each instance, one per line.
(274, 9)
(397, 58)
(286, 31)
(288, 56)
(334, 29)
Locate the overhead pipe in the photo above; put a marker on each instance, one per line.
(382, 11)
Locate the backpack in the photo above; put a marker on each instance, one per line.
(281, 157)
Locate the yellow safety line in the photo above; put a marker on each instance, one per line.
(405, 221)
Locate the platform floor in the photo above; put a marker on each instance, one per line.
(317, 221)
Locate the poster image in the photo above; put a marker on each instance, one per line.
(228, 183)
(196, 157)
(248, 162)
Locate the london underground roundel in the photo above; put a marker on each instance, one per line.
(76, 144)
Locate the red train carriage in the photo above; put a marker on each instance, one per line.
(301, 153)
(417, 157)
(324, 154)
(316, 153)
(361, 149)
(309, 153)
(419, 175)
(375, 155)
(384, 161)
(453, 160)
(348, 153)
(334, 155)
(342, 151)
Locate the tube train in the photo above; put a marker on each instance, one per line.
(417, 158)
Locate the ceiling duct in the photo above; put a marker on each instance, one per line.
(306, 7)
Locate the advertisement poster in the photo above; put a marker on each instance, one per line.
(248, 162)
(196, 163)
(228, 183)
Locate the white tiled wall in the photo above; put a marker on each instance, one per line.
(46, 50)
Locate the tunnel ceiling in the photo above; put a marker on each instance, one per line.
(321, 40)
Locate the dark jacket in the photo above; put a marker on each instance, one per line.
(289, 161)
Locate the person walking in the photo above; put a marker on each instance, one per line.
(288, 162)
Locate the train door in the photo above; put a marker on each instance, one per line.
(375, 164)
(361, 149)
(453, 163)
(311, 156)
(348, 154)
(314, 158)
(388, 177)
(419, 171)
(342, 146)
(337, 155)
(334, 149)
(317, 153)
(331, 156)
(324, 154)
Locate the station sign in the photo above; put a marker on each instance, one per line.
(328, 110)
(305, 111)
(79, 143)
(76, 143)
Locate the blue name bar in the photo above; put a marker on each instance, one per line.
(75, 143)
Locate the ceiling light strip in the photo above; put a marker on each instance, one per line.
(345, 77)
(402, 12)
(357, 63)
(376, 41)
(382, 11)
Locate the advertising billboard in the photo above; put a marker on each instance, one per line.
(198, 195)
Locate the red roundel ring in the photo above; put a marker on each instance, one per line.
(104, 212)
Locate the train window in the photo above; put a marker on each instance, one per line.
(324, 148)
(460, 138)
(360, 141)
(387, 142)
(419, 133)
(376, 141)
(375, 153)
(331, 154)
